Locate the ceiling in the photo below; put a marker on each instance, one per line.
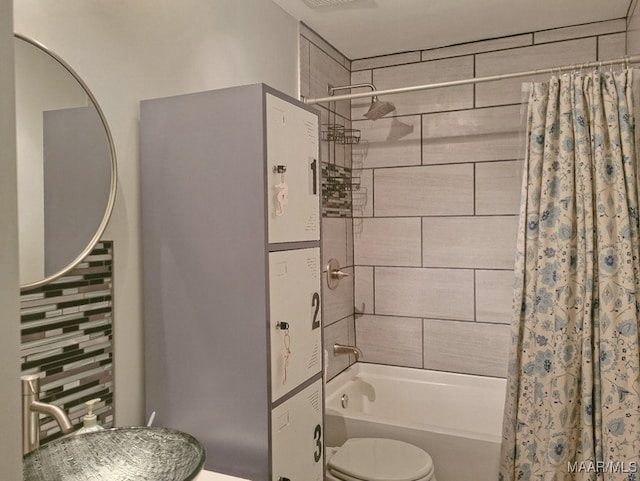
(367, 28)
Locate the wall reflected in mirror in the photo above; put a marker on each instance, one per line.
(65, 165)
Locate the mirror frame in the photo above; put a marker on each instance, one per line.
(114, 178)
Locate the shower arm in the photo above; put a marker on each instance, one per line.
(354, 86)
(492, 78)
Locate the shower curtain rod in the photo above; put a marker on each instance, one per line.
(476, 80)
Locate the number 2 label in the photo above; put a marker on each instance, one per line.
(315, 310)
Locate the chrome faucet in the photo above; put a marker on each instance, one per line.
(31, 408)
(343, 349)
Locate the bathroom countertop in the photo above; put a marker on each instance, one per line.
(211, 476)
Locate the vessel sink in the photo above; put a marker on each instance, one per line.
(119, 454)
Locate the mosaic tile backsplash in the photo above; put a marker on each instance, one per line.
(337, 185)
(67, 335)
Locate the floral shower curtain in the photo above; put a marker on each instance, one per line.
(573, 391)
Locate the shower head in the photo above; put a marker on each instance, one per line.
(379, 109)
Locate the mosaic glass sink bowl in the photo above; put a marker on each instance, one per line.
(120, 454)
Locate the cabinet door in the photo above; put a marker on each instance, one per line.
(294, 296)
(297, 437)
(293, 172)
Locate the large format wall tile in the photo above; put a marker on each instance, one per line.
(385, 61)
(390, 141)
(362, 199)
(364, 290)
(326, 71)
(436, 71)
(478, 47)
(612, 47)
(466, 347)
(337, 303)
(447, 160)
(390, 340)
(415, 292)
(335, 241)
(388, 242)
(498, 187)
(470, 242)
(503, 92)
(494, 296)
(472, 135)
(338, 333)
(577, 31)
(427, 190)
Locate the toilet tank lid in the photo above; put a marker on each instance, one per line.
(380, 459)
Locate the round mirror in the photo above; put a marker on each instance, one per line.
(66, 165)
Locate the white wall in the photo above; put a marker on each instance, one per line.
(128, 51)
(10, 446)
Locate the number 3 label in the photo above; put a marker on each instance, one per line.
(317, 437)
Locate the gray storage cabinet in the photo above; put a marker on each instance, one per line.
(231, 259)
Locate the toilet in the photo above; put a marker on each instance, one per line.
(379, 459)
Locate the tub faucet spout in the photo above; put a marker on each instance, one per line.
(31, 408)
(343, 349)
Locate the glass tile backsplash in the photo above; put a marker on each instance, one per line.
(67, 335)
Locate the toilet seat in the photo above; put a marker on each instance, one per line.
(380, 459)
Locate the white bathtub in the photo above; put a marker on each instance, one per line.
(456, 418)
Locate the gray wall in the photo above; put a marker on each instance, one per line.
(127, 52)
(10, 453)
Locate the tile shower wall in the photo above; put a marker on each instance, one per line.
(436, 218)
(322, 66)
(67, 334)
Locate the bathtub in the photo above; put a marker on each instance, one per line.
(456, 418)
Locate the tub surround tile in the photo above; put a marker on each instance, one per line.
(577, 31)
(470, 242)
(326, 71)
(388, 241)
(472, 135)
(478, 47)
(498, 187)
(334, 241)
(385, 61)
(390, 340)
(364, 290)
(612, 47)
(361, 77)
(423, 191)
(437, 71)
(363, 197)
(325, 46)
(337, 333)
(466, 347)
(305, 67)
(337, 303)
(390, 141)
(447, 160)
(417, 292)
(524, 59)
(494, 296)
